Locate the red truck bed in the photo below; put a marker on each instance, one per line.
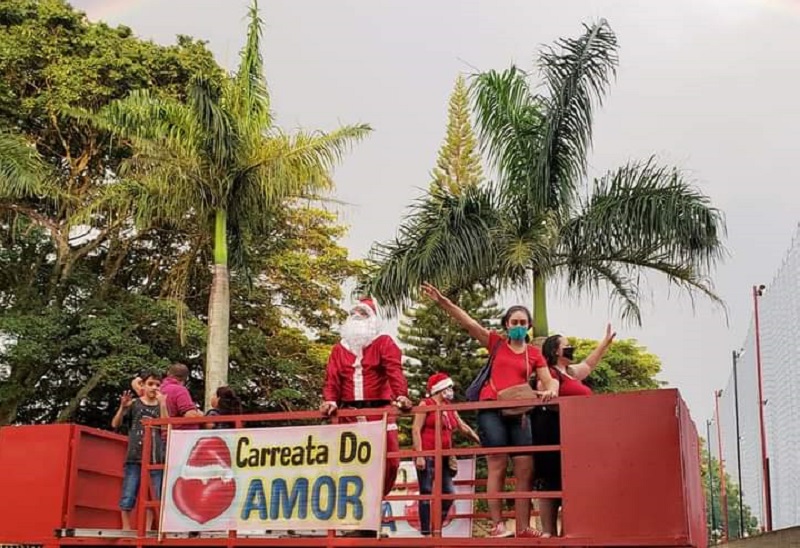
(631, 477)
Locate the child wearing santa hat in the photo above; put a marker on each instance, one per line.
(423, 432)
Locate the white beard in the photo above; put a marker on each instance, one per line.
(357, 332)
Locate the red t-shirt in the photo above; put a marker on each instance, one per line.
(569, 386)
(428, 432)
(508, 367)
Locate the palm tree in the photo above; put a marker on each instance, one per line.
(217, 166)
(539, 223)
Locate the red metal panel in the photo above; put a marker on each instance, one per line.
(692, 480)
(622, 467)
(35, 468)
(96, 482)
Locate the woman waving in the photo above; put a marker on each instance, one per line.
(515, 361)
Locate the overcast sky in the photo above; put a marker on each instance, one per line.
(708, 85)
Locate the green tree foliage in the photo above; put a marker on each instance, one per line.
(431, 339)
(55, 61)
(71, 361)
(714, 521)
(84, 308)
(543, 220)
(217, 166)
(281, 327)
(626, 366)
(57, 281)
(434, 342)
(458, 166)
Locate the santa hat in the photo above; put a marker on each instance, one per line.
(438, 382)
(368, 305)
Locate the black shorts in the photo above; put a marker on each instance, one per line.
(545, 430)
(497, 430)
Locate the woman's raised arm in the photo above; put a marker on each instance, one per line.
(475, 330)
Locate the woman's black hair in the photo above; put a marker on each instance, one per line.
(229, 402)
(510, 311)
(550, 349)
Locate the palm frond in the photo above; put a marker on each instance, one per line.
(220, 138)
(285, 166)
(252, 95)
(623, 273)
(576, 73)
(642, 217)
(652, 209)
(587, 275)
(179, 152)
(145, 118)
(508, 118)
(22, 171)
(445, 239)
(524, 246)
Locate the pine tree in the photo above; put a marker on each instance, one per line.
(459, 163)
(433, 342)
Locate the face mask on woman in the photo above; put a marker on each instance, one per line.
(568, 352)
(518, 332)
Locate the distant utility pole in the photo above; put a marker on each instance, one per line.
(722, 493)
(710, 478)
(736, 356)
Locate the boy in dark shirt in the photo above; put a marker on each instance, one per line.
(151, 405)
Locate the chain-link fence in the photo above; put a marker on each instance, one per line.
(779, 319)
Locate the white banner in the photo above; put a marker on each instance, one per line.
(406, 513)
(305, 477)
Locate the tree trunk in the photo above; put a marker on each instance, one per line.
(219, 303)
(66, 414)
(540, 328)
(8, 411)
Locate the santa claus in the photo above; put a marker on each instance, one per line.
(365, 372)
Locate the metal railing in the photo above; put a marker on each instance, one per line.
(435, 498)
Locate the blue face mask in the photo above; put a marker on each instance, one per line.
(518, 333)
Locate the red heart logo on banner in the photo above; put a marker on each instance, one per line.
(206, 487)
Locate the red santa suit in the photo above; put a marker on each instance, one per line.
(369, 377)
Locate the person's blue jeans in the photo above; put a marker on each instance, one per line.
(425, 479)
(130, 484)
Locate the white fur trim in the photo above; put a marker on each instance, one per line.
(358, 378)
(366, 308)
(206, 473)
(441, 385)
